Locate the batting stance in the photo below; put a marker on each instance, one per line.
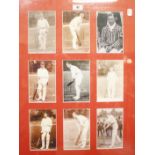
(42, 29)
(111, 121)
(77, 78)
(111, 36)
(75, 27)
(46, 125)
(43, 77)
(83, 122)
(111, 83)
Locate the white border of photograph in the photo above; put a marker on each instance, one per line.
(43, 52)
(74, 102)
(122, 130)
(39, 150)
(102, 11)
(45, 102)
(66, 52)
(89, 130)
(111, 100)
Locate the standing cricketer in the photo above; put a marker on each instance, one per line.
(42, 29)
(111, 36)
(43, 77)
(75, 27)
(111, 83)
(77, 78)
(110, 121)
(83, 122)
(46, 125)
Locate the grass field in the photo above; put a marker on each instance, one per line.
(104, 142)
(69, 92)
(33, 41)
(84, 37)
(51, 88)
(71, 131)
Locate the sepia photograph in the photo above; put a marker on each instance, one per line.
(42, 32)
(110, 80)
(42, 130)
(42, 81)
(76, 80)
(110, 32)
(76, 32)
(109, 128)
(76, 128)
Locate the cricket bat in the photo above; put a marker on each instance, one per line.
(70, 83)
(78, 38)
(35, 93)
(38, 142)
(78, 138)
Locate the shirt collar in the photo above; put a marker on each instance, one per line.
(111, 27)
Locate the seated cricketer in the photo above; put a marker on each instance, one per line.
(111, 36)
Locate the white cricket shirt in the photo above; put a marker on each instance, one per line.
(46, 124)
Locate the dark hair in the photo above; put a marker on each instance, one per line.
(68, 62)
(110, 14)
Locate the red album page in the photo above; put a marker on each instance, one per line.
(77, 77)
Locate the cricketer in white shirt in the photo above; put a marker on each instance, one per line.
(75, 26)
(46, 126)
(83, 122)
(111, 121)
(43, 77)
(42, 28)
(111, 83)
(77, 76)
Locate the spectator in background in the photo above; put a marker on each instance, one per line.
(100, 128)
(120, 126)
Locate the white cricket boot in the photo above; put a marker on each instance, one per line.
(76, 98)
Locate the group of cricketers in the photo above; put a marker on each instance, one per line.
(77, 76)
(111, 41)
(81, 138)
(42, 29)
(42, 74)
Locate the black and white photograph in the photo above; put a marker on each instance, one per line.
(76, 130)
(109, 128)
(76, 80)
(41, 32)
(43, 128)
(110, 80)
(110, 32)
(42, 81)
(76, 32)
